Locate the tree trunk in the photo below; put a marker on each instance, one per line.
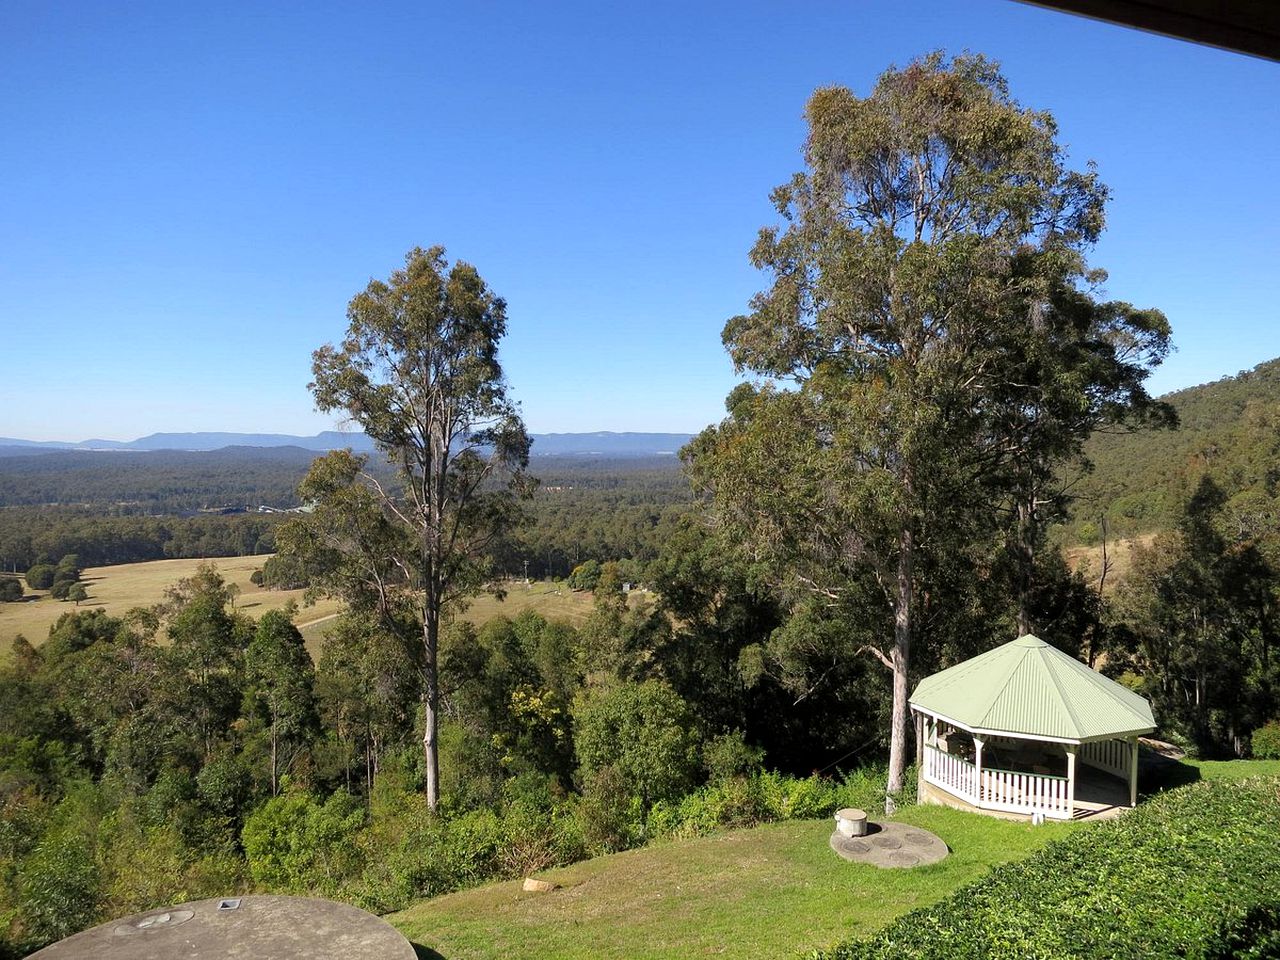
(901, 660)
(275, 782)
(1026, 557)
(431, 706)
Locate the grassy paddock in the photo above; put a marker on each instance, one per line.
(765, 892)
(123, 586)
(1088, 560)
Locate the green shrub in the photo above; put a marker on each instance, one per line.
(437, 855)
(1266, 741)
(1194, 872)
(294, 843)
(729, 755)
(770, 796)
(644, 732)
(609, 815)
(40, 577)
(60, 888)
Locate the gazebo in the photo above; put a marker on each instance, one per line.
(1006, 730)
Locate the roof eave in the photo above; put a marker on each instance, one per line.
(1018, 734)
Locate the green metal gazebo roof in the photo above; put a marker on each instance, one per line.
(1028, 687)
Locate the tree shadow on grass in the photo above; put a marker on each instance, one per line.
(1162, 773)
(426, 953)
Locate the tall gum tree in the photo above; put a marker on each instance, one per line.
(935, 219)
(418, 371)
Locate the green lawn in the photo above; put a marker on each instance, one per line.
(771, 891)
(1234, 769)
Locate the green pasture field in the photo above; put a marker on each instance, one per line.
(123, 586)
(770, 891)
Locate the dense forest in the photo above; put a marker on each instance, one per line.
(583, 509)
(1228, 430)
(156, 482)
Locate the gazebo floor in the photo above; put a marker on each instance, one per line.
(1098, 797)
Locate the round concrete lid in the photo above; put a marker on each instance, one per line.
(850, 813)
(258, 927)
(891, 844)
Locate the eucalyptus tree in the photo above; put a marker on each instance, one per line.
(932, 217)
(1080, 367)
(280, 690)
(418, 371)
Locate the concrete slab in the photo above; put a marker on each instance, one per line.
(257, 928)
(891, 844)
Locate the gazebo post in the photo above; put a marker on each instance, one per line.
(977, 762)
(920, 727)
(1072, 749)
(1133, 771)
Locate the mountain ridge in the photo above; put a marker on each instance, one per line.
(597, 443)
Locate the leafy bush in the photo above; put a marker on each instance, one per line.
(60, 888)
(418, 854)
(769, 796)
(729, 755)
(1266, 741)
(609, 814)
(644, 732)
(293, 842)
(10, 589)
(40, 577)
(1194, 872)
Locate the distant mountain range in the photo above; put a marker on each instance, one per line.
(602, 443)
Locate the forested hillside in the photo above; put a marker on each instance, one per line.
(111, 508)
(160, 482)
(1228, 430)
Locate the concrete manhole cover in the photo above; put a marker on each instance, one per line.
(279, 928)
(884, 848)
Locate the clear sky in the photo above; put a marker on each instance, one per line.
(191, 193)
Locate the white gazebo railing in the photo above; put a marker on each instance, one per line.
(1026, 793)
(953, 774)
(998, 789)
(1109, 756)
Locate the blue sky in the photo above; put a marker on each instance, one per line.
(190, 194)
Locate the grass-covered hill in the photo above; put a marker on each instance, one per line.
(1192, 872)
(1229, 430)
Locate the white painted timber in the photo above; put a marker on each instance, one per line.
(1109, 756)
(1003, 790)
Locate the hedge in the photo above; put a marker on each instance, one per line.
(1195, 872)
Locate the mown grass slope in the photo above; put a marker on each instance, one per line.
(770, 891)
